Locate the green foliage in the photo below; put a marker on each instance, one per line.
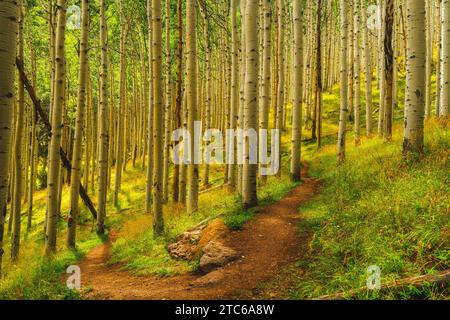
(378, 209)
(237, 220)
(39, 278)
(149, 256)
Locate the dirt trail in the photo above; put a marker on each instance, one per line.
(268, 244)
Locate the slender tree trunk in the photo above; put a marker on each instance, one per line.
(281, 79)
(16, 205)
(207, 114)
(357, 73)
(249, 187)
(168, 110)
(381, 69)
(149, 183)
(439, 56)
(344, 78)
(266, 76)
(297, 121)
(388, 68)
(429, 58)
(179, 95)
(319, 74)
(121, 148)
(9, 17)
(81, 108)
(103, 123)
(368, 69)
(191, 87)
(55, 143)
(240, 145)
(445, 61)
(415, 83)
(234, 101)
(158, 117)
(33, 150)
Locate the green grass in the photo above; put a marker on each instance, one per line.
(38, 278)
(378, 209)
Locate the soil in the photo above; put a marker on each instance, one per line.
(268, 245)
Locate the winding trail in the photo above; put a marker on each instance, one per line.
(268, 244)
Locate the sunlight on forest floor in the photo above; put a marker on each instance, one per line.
(378, 210)
(374, 186)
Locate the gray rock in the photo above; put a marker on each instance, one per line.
(216, 255)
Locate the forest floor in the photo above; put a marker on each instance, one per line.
(267, 244)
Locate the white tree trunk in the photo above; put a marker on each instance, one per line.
(297, 101)
(445, 60)
(8, 36)
(415, 77)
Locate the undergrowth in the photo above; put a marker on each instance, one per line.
(378, 209)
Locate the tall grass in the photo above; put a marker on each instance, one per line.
(378, 209)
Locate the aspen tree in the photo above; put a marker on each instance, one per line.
(439, 55)
(357, 73)
(103, 126)
(207, 113)
(297, 106)
(234, 100)
(343, 81)
(429, 58)
(368, 71)
(381, 66)
(121, 149)
(240, 145)
(168, 108)
(318, 100)
(281, 79)
(16, 205)
(55, 143)
(351, 61)
(149, 173)
(413, 141)
(266, 76)
(388, 68)
(445, 60)
(179, 94)
(191, 88)
(33, 148)
(158, 117)
(9, 17)
(79, 124)
(249, 185)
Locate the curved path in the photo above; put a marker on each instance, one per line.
(268, 243)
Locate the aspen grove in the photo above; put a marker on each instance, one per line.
(132, 122)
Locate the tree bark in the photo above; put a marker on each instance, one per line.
(368, 69)
(191, 87)
(78, 141)
(158, 117)
(343, 94)
(249, 185)
(16, 205)
(103, 123)
(55, 143)
(413, 141)
(9, 16)
(445, 61)
(388, 69)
